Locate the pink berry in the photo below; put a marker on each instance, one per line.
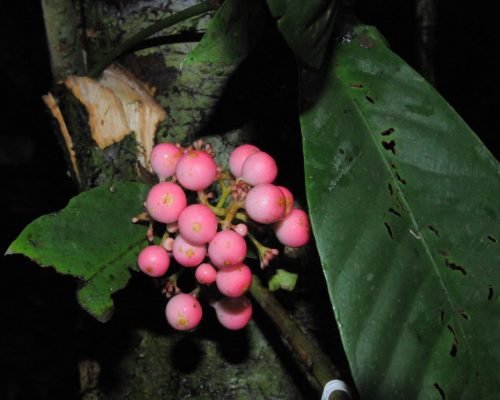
(288, 200)
(294, 230)
(265, 203)
(241, 229)
(165, 202)
(153, 261)
(238, 157)
(234, 281)
(188, 254)
(183, 312)
(205, 274)
(196, 170)
(164, 159)
(227, 249)
(198, 224)
(233, 312)
(258, 168)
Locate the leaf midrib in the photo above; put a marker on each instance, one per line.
(117, 258)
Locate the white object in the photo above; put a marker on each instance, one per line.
(333, 386)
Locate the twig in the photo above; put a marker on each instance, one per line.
(152, 29)
(183, 37)
(315, 361)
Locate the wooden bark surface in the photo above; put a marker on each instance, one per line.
(100, 148)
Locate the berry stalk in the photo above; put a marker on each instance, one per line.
(231, 212)
(266, 254)
(226, 191)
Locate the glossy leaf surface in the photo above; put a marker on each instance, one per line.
(404, 204)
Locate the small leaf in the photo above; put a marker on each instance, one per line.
(307, 26)
(283, 280)
(404, 205)
(93, 239)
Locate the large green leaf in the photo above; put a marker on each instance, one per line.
(93, 239)
(404, 203)
(306, 26)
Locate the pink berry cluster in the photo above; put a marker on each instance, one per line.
(210, 235)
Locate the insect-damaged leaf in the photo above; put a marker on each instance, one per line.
(404, 206)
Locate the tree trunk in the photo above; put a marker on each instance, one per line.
(122, 359)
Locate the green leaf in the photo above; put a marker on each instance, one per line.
(404, 205)
(306, 26)
(232, 34)
(93, 239)
(283, 280)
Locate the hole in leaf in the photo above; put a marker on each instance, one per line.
(433, 229)
(453, 350)
(393, 211)
(450, 328)
(454, 345)
(492, 238)
(387, 132)
(356, 85)
(490, 293)
(398, 177)
(441, 391)
(341, 151)
(390, 146)
(391, 191)
(389, 230)
(455, 267)
(393, 166)
(442, 315)
(370, 99)
(463, 314)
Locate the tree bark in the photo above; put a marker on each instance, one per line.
(63, 39)
(225, 365)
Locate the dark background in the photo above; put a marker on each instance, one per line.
(36, 305)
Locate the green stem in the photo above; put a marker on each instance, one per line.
(314, 360)
(231, 212)
(266, 254)
(226, 191)
(203, 199)
(259, 246)
(242, 216)
(187, 13)
(184, 37)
